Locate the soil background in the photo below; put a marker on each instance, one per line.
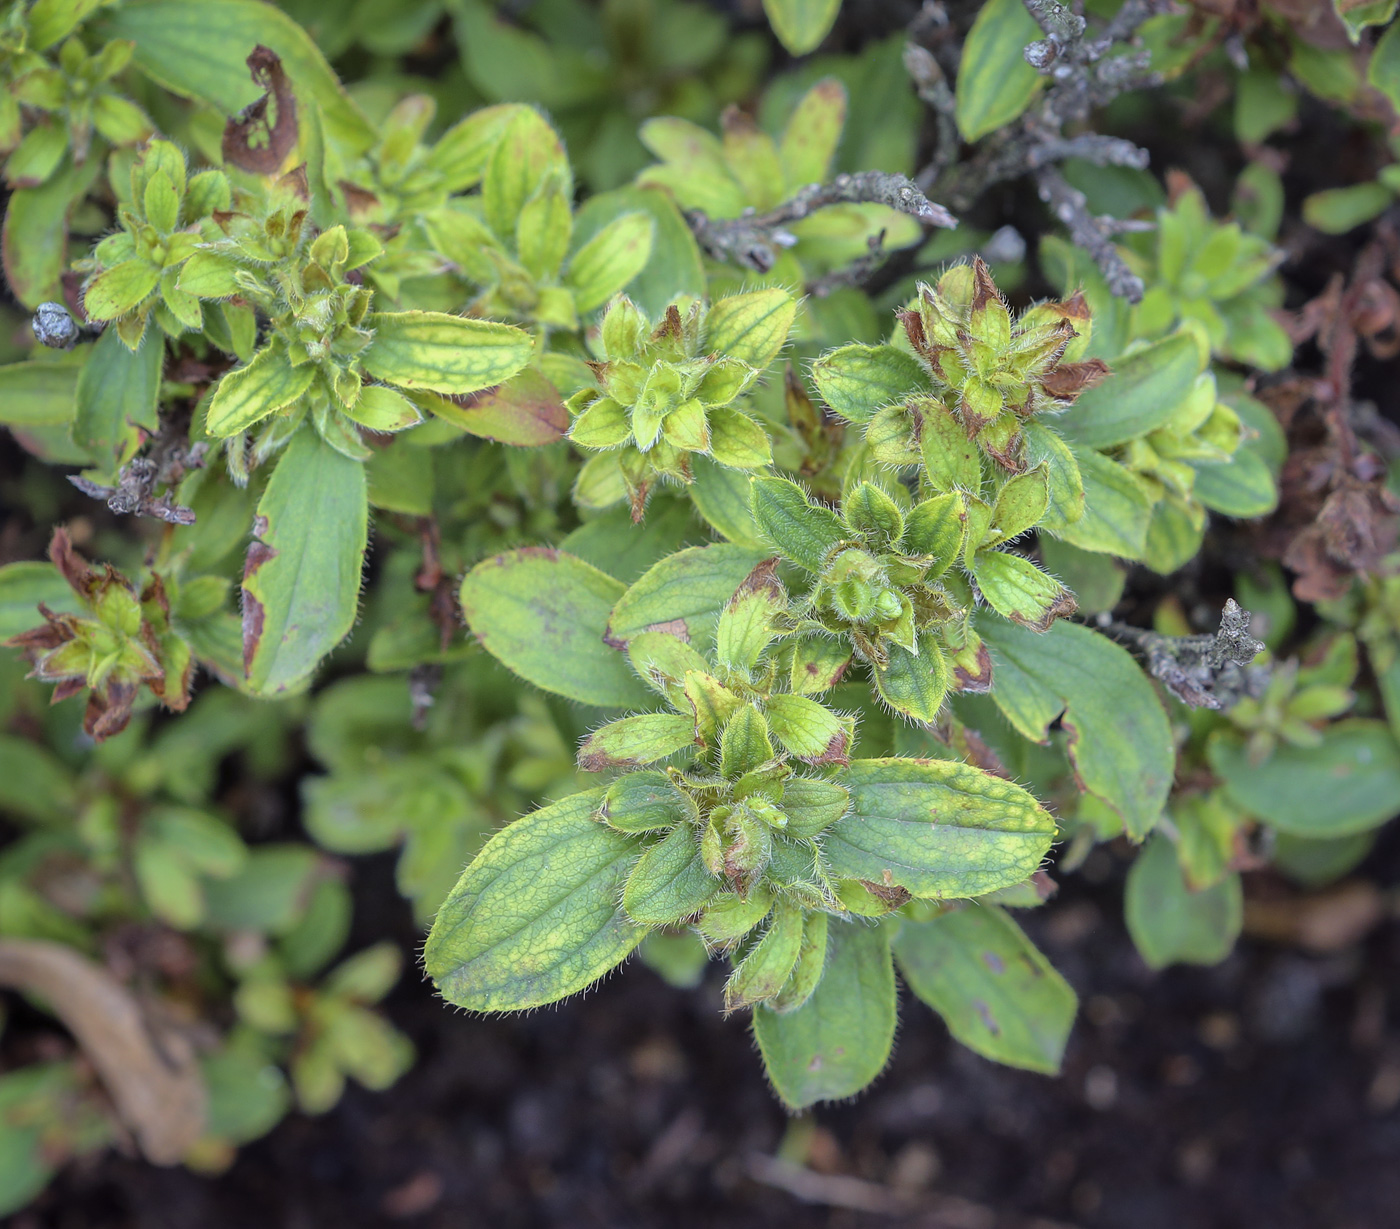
(1262, 1092)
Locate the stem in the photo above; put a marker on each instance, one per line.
(752, 239)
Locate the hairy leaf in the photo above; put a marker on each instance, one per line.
(936, 828)
(839, 1039)
(301, 581)
(1119, 739)
(545, 614)
(536, 917)
(994, 989)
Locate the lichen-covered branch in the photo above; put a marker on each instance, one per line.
(754, 239)
(1085, 77)
(1091, 232)
(1202, 671)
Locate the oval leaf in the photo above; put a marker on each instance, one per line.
(544, 614)
(840, 1038)
(536, 917)
(301, 581)
(936, 828)
(446, 354)
(994, 989)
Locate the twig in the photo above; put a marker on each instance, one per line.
(150, 1071)
(753, 239)
(932, 86)
(1084, 78)
(1202, 671)
(854, 274)
(1090, 232)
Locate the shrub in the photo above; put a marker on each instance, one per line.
(811, 584)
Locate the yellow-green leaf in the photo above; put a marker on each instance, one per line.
(446, 354)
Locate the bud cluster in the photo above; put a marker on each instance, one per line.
(993, 373)
(669, 392)
(138, 271)
(736, 831)
(123, 641)
(886, 583)
(1298, 700)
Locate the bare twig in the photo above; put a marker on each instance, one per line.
(932, 86)
(1202, 671)
(754, 239)
(1085, 77)
(153, 1078)
(1090, 232)
(854, 274)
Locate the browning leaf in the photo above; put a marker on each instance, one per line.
(250, 141)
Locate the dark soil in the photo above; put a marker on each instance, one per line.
(1264, 1092)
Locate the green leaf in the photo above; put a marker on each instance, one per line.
(994, 989)
(1349, 783)
(802, 531)
(446, 354)
(1018, 590)
(751, 327)
(995, 84)
(1117, 509)
(765, 970)
(801, 24)
(669, 881)
(674, 269)
(37, 393)
(301, 583)
(951, 460)
(738, 440)
(721, 496)
(1095, 580)
(34, 784)
(635, 741)
(23, 586)
(839, 1039)
(536, 917)
(1118, 736)
(200, 51)
(209, 275)
(269, 895)
(855, 381)
(937, 828)
(383, 409)
(116, 291)
(914, 684)
(812, 133)
(255, 391)
(464, 151)
(1357, 15)
(1174, 536)
(528, 154)
(545, 615)
(35, 237)
(526, 411)
(609, 260)
(1263, 105)
(1241, 487)
(118, 398)
(1169, 923)
(683, 594)
(51, 20)
(1141, 394)
(1383, 69)
(809, 730)
(1338, 210)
